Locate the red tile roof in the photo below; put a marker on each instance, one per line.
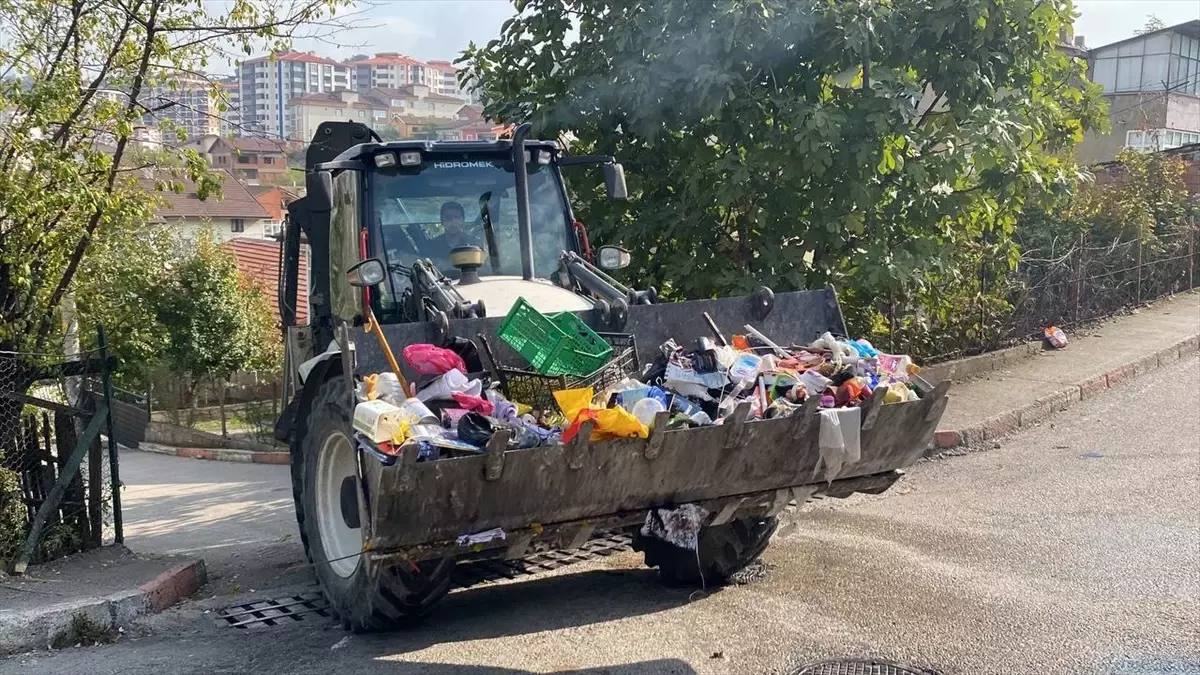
(387, 59)
(305, 57)
(334, 99)
(258, 260)
(444, 66)
(235, 201)
(248, 144)
(471, 112)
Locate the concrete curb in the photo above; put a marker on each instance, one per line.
(58, 625)
(220, 454)
(1009, 421)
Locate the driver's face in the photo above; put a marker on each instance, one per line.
(452, 221)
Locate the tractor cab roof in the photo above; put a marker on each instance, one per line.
(365, 151)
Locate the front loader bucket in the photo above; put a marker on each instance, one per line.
(557, 496)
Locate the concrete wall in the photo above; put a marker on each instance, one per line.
(1128, 112)
(1136, 112)
(185, 437)
(220, 228)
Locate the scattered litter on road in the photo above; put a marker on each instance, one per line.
(481, 537)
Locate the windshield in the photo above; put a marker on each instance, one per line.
(425, 211)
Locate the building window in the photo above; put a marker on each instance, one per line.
(267, 159)
(237, 225)
(337, 113)
(272, 230)
(1154, 140)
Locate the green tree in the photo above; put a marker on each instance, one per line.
(873, 145)
(118, 288)
(74, 81)
(217, 321)
(1153, 23)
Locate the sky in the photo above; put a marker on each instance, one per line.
(440, 29)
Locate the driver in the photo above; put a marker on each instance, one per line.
(454, 229)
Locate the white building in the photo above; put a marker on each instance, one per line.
(267, 84)
(235, 214)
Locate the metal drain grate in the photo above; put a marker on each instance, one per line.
(475, 572)
(859, 667)
(277, 612)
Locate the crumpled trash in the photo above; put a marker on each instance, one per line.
(480, 538)
(679, 526)
(1055, 336)
(839, 440)
(616, 422)
(427, 359)
(472, 403)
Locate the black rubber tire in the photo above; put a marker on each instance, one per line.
(724, 550)
(375, 597)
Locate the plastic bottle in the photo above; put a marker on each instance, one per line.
(646, 409)
(388, 388)
(745, 367)
(452, 381)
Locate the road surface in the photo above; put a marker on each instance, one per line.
(1072, 548)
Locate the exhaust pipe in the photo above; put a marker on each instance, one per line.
(524, 227)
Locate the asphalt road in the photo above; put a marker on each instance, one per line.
(1072, 548)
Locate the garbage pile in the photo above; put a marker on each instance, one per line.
(456, 407)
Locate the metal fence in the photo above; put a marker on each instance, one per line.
(1079, 280)
(59, 478)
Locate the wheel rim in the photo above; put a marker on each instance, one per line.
(341, 543)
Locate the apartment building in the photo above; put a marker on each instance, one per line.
(231, 118)
(268, 83)
(1152, 85)
(182, 104)
(391, 70)
(308, 111)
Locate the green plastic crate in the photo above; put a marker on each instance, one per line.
(584, 353)
(554, 345)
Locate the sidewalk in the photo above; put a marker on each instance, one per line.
(90, 596)
(1008, 390)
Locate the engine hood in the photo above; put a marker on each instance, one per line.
(499, 294)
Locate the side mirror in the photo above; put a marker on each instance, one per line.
(368, 273)
(614, 181)
(612, 258)
(319, 186)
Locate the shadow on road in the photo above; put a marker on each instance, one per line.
(656, 667)
(534, 606)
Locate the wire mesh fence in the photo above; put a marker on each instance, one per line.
(56, 487)
(1066, 283)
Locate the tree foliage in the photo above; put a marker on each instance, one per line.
(216, 321)
(75, 79)
(873, 145)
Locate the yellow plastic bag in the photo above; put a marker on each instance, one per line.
(616, 422)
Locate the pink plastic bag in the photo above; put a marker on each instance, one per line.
(427, 359)
(473, 403)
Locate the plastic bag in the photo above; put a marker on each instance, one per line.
(616, 422)
(427, 359)
(1056, 337)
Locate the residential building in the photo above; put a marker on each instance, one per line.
(448, 83)
(231, 118)
(418, 100)
(470, 131)
(254, 160)
(274, 201)
(268, 82)
(307, 112)
(391, 70)
(1152, 85)
(236, 213)
(183, 104)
